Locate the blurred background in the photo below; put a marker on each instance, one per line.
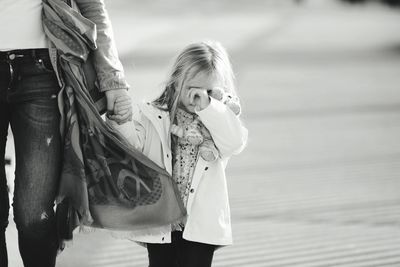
(319, 80)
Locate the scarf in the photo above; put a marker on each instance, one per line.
(105, 182)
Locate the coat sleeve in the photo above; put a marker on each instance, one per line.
(132, 130)
(227, 131)
(109, 69)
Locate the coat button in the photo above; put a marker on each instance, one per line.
(192, 190)
(159, 117)
(163, 238)
(206, 168)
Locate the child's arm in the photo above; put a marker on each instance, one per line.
(226, 129)
(122, 109)
(132, 130)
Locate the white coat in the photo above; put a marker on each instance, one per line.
(208, 209)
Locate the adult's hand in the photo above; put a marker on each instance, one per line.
(119, 115)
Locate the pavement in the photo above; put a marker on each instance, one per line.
(318, 184)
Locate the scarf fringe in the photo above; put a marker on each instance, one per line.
(127, 234)
(86, 221)
(132, 235)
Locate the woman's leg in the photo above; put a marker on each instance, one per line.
(35, 124)
(4, 201)
(4, 122)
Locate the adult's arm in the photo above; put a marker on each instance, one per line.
(109, 69)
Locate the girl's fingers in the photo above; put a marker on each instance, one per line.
(190, 95)
(124, 118)
(123, 112)
(198, 96)
(194, 93)
(193, 98)
(123, 104)
(121, 118)
(120, 107)
(122, 96)
(123, 100)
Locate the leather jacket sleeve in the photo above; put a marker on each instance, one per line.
(109, 69)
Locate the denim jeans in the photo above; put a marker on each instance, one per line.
(28, 103)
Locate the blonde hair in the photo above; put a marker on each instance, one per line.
(210, 57)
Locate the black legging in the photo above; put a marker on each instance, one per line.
(180, 253)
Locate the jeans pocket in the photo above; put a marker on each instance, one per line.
(40, 112)
(44, 65)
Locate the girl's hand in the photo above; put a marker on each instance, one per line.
(122, 109)
(199, 97)
(112, 96)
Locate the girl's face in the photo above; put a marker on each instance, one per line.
(200, 80)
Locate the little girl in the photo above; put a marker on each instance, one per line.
(170, 131)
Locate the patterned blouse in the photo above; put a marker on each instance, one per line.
(184, 159)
